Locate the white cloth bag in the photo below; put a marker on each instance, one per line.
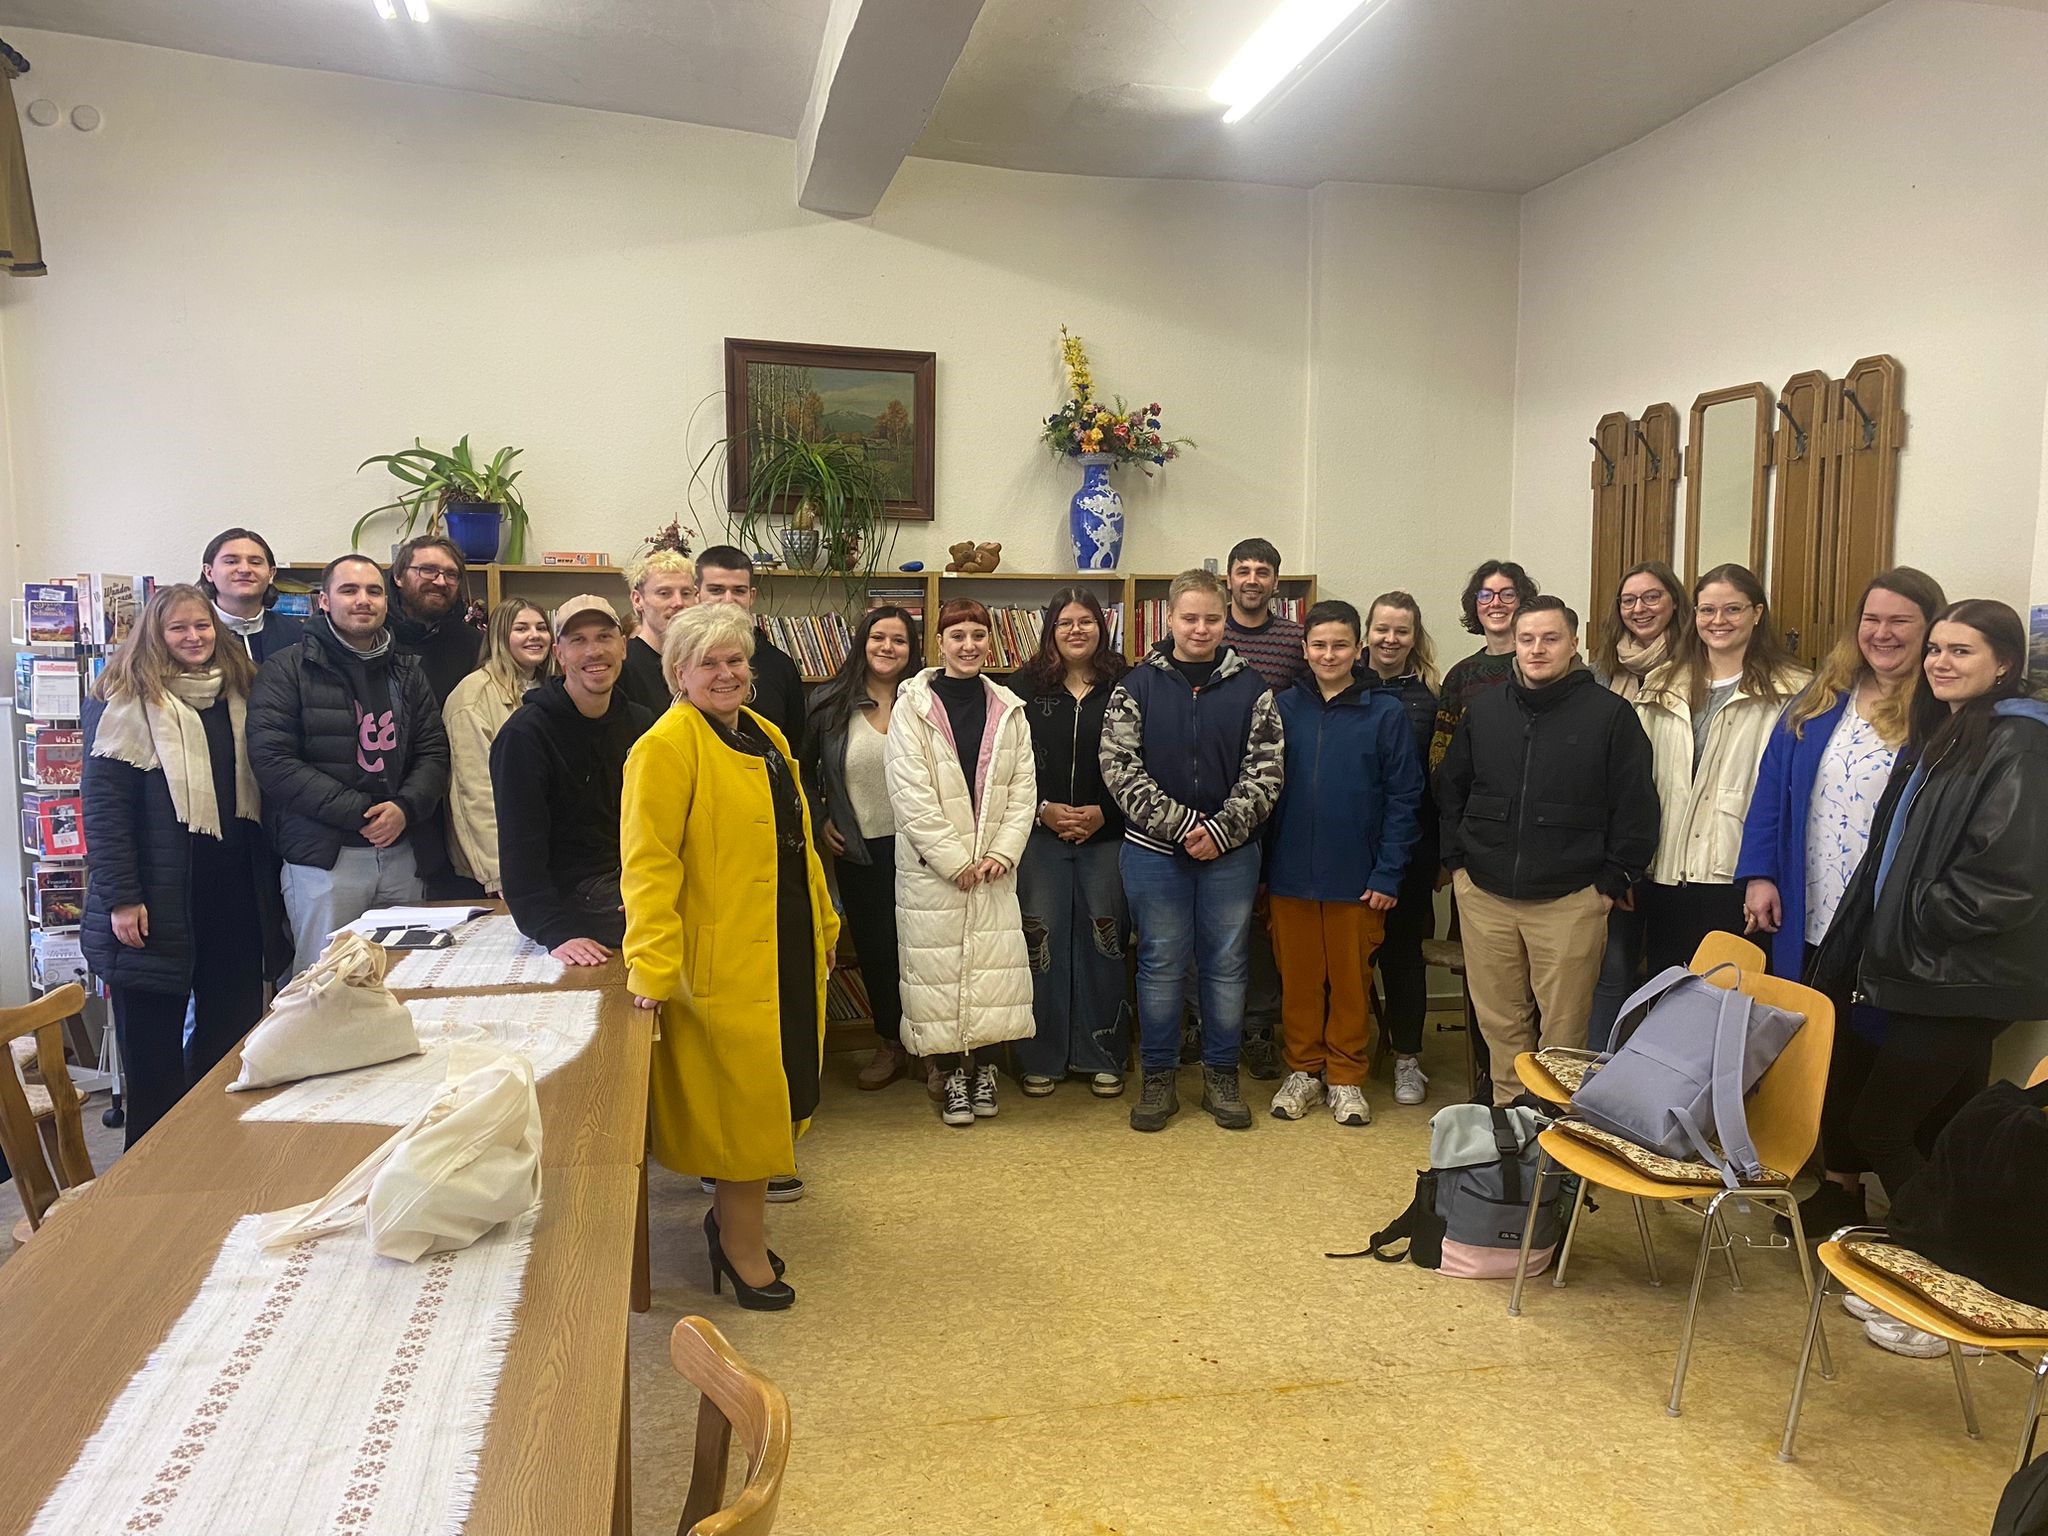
(467, 1162)
(335, 1015)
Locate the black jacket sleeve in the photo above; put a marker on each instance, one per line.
(1453, 784)
(779, 693)
(277, 752)
(426, 760)
(1633, 815)
(525, 834)
(110, 793)
(1992, 884)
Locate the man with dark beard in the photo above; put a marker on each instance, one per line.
(430, 614)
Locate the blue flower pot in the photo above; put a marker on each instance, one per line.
(474, 528)
(1095, 517)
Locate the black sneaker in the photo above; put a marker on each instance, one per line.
(957, 1108)
(1261, 1058)
(1220, 1096)
(1158, 1102)
(781, 1190)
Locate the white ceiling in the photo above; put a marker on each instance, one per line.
(1499, 95)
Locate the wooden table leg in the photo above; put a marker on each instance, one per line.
(643, 1279)
(622, 1484)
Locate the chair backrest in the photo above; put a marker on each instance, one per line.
(736, 1396)
(1784, 1107)
(1719, 948)
(2040, 1073)
(36, 1180)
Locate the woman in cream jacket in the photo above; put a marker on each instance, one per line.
(1708, 714)
(518, 652)
(965, 792)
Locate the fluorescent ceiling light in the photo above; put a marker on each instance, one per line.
(416, 9)
(387, 10)
(1293, 32)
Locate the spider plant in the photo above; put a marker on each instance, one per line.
(829, 486)
(436, 479)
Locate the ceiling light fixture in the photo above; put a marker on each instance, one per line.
(387, 10)
(416, 9)
(1285, 45)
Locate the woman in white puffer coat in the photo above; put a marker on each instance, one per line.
(965, 792)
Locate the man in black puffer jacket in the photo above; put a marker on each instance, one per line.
(346, 740)
(558, 768)
(1550, 815)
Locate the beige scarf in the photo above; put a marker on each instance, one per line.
(168, 736)
(1638, 661)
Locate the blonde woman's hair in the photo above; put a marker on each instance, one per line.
(143, 665)
(499, 663)
(1843, 669)
(640, 567)
(696, 630)
(1196, 580)
(1423, 657)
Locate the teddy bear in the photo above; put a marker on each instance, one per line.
(971, 559)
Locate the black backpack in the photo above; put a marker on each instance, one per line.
(2023, 1511)
(1989, 1164)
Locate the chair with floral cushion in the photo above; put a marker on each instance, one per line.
(1924, 1295)
(1784, 1124)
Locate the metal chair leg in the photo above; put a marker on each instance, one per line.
(1955, 1361)
(1692, 1304)
(1649, 1248)
(2033, 1420)
(1528, 1236)
(1813, 1331)
(1571, 1233)
(1727, 1244)
(1827, 1363)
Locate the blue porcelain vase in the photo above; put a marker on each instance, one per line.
(1095, 517)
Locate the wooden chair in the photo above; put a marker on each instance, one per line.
(1857, 1257)
(735, 1396)
(43, 1185)
(1784, 1123)
(1450, 954)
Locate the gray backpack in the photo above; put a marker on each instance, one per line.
(1472, 1202)
(1686, 1053)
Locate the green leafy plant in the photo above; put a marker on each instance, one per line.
(435, 480)
(829, 486)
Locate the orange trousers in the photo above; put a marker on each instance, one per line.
(1324, 950)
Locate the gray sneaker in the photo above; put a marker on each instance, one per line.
(1220, 1096)
(1411, 1083)
(1301, 1092)
(1158, 1102)
(1261, 1058)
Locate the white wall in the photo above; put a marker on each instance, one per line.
(1884, 191)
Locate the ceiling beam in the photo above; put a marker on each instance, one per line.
(881, 67)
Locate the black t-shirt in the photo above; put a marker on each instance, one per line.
(966, 704)
(1198, 673)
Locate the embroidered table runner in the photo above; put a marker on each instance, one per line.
(489, 953)
(315, 1388)
(547, 1028)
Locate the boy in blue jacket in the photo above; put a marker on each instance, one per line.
(1336, 850)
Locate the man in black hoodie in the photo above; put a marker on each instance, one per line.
(431, 620)
(1549, 817)
(346, 742)
(557, 770)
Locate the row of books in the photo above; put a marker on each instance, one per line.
(1150, 619)
(817, 642)
(846, 997)
(97, 609)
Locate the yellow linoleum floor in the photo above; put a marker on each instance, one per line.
(1051, 1324)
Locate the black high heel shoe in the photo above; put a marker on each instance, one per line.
(711, 1235)
(776, 1296)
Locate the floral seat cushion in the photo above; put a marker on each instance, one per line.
(1570, 1068)
(1655, 1165)
(1975, 1306)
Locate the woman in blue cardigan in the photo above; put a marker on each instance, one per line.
(1829, 758)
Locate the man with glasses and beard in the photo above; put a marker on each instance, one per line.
(430, 614)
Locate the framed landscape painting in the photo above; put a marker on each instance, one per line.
(879, 401)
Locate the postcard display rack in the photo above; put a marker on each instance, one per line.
(63, 632)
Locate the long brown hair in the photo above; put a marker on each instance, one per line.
(1607, 648)
(1763, 664)
(846, 690)
(144, 665)
(1958, 738)
(1046, 671)
(1843, 669)
(1423, 658)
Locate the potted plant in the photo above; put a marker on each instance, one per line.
(457, 496)
(1101, 438)
(831, 496)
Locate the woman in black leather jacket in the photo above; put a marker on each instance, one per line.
(1945, 926)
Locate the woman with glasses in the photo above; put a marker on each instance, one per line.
(1494, 594)
(1708, 713)
(1068, 883)
(1650, 612)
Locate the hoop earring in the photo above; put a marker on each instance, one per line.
(753, 692)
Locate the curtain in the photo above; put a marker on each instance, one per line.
(21, 247)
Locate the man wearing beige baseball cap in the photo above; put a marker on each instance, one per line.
(556, 772)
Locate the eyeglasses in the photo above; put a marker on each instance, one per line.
(1732, 611)
(1488, 597)
(443, 574)
(1629, 600)
(1072, 624)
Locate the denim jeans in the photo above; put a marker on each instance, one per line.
(1620, 964)
(1187, 909)
(1075, 920)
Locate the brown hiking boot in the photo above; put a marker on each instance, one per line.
(889, 1062)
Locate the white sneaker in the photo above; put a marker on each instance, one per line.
(956, 1109)
(985, 1091)
(1904, 1339)
(1411, 1083)
(1348, 1106)
(1297, 1096)
(1862, 1310)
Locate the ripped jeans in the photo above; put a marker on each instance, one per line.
(1075, 922)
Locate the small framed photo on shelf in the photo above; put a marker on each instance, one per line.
(878, 400)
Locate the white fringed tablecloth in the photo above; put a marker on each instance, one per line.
(490, 952)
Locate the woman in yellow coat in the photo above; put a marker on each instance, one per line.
(730, 934)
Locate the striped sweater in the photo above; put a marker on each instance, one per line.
(1273, 649)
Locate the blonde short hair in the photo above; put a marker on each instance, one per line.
(696, 630)
(1196, 580)
(642, 566)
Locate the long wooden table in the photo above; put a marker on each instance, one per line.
(82, 1306)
